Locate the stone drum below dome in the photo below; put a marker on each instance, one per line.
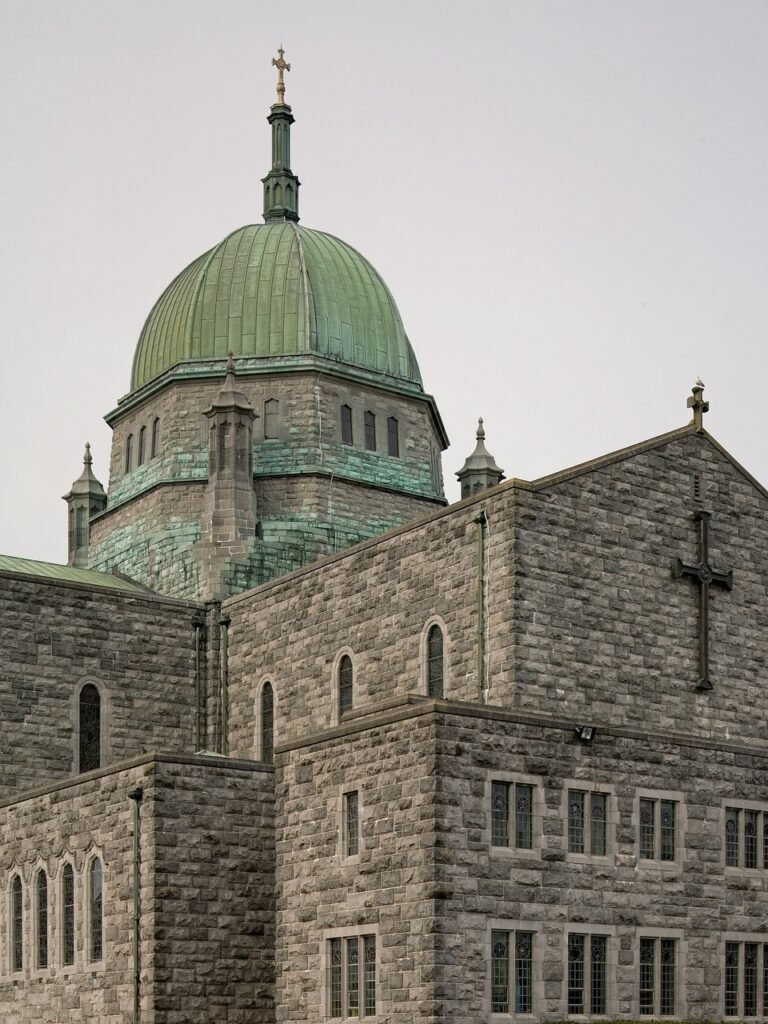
(276, 292)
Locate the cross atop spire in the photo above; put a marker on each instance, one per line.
(282, 66)
(697, 403)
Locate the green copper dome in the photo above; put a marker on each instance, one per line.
(277, 290)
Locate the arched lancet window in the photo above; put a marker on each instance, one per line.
(128, 453)
(393, 437)
(346, 424)
(17, 925)
(41, 906)
(96, 910)
(68, 915)
(267, 723)
(435, 662)
(369, 420)
(89, 711)
(155, 436)
(142, 445)
(271, 413)
(346, 695)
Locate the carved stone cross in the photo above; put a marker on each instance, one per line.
(282, 66)
(705, 575)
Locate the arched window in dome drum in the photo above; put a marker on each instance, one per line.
(267, 723)
(142, 445)
(435, 662)
(369, 420)
(271, 413)
(128, 453)
(346, 424)
(90, 729)
(155, 437)
(393, 437)
(17, 925)
(346, 680)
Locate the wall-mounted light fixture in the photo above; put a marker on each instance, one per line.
(586, 733)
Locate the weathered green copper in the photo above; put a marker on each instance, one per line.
(273, 291)
(65, 573)
(281, 186)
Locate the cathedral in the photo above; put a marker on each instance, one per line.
(292, 739)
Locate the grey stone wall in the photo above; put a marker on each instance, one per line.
(583, 617)
(53, 637)
(431, 885)
(206, 894)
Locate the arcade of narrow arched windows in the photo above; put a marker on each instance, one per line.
(54, 917)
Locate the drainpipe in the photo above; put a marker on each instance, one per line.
(135, 796)
(224, 683)
(482, 522)
(199, 626)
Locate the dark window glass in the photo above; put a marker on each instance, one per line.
(345, 684)
(500, 814)
(667, 830)
(750, 979)
(346, 424)
(667, 978)
(96, 908)
(575, 821)
(393, 437)
(90, 728)
(523, 816)
(523, 972)
(346, 975)
(336, 978)
(68, 915)
(435, 662)
(598, 987)
(271, 413)
(142, 445)
(155, 436)
(731, 979)
(17, 925)
(369, 420)
(765, 979)
(576, 946)
(369, 975)
(732, 836)
(128, 453)
(267, 723)
(750, 838)
(499, 972)
(597, 830)
(647, 975)
(351, 823)
(41, 894)
(353, 977)
(647, 829)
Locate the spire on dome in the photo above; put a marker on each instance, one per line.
(480, 470)
(281, 186)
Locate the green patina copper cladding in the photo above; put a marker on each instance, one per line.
(66, 574)
(277, 290)
(281, 186)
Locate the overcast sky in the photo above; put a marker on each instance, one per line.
(567, 198)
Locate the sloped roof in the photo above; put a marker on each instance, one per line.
(66, 574)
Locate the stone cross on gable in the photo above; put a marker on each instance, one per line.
(705, 576)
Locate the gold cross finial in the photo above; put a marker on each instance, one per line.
(282, 66)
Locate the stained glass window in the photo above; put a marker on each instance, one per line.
(68, 915)
(435, 662)
(647, 975)
(90, 728)
(351, 824)
(598, 945)
(576, 947)
(667, 830)
(369, 420)
(96, 910)
(346, 694)
(523, 816)
(732, 815)
(352, 977)
(41, 899)
(731, 979)
(500, 814)
(523, 972)
(598, 805)
(17, 925)
(393, 437)
(750, 979)
(657, 968)
(267, 723)
(658, 829)
(500, 972)
(575, 821)
(750, 838)
(346, 425)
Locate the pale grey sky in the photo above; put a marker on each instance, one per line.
(567, 198)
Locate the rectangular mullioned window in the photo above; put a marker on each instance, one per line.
(745, 837)
(745, 979)
(512, 971)
(512, 814)
(657, 982)
(588, 977)
(660, 823)
(351, 977)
